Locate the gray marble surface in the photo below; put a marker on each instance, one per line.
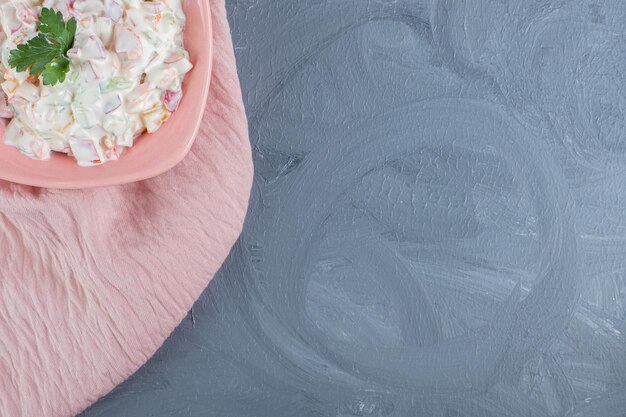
(438, 222)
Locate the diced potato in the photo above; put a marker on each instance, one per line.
(154, 119)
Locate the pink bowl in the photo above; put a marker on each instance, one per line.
(153, 153)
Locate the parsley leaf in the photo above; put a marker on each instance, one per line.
(34, 54)
(52, 25)
(55, 71)
(45, 54)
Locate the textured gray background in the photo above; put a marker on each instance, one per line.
(438, 222)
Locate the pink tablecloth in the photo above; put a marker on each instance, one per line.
(92, 282)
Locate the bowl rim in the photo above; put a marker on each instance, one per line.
(170, 161)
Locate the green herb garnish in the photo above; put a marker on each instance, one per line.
(45, 54)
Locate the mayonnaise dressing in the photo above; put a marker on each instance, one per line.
(128, 63)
